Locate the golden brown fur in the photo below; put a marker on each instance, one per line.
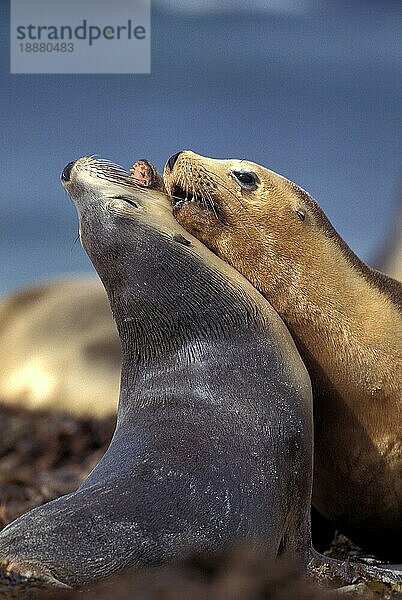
(344, 317)
(59, 348)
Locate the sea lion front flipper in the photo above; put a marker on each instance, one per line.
(146, 175)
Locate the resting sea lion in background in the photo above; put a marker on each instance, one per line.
(59, 348)
(213, 441)
(344, 317)
(389, 259)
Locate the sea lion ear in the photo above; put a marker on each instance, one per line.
(146, 175)
(301, 214)
(181, 239)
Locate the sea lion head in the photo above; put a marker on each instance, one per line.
(99, 185)
(114, 206)
(247, 214)
(221, 193)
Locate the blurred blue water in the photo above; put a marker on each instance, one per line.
(314, 94)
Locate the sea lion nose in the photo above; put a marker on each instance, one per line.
(172, 160)
(65, 175)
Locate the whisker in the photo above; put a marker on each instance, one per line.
(175, 197)
(189, 191)
(212, 203)
(227, 189)
(75, 241)
(127, 181)
(106, 169)
(204, 199)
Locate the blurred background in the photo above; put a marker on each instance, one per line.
(309, 88)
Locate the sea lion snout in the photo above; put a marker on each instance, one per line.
(96, 183)
(192, 190)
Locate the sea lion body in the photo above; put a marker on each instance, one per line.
(213, 442)
(344, 317)
(59, 349)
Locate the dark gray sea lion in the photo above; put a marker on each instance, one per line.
(213, 442)
(346, 320)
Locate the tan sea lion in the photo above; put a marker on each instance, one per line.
(59, 348)
(344, 317)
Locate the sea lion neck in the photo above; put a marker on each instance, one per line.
(196, 304)
(305, 290)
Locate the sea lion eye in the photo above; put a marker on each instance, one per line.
(247, 179)
(128, 200)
